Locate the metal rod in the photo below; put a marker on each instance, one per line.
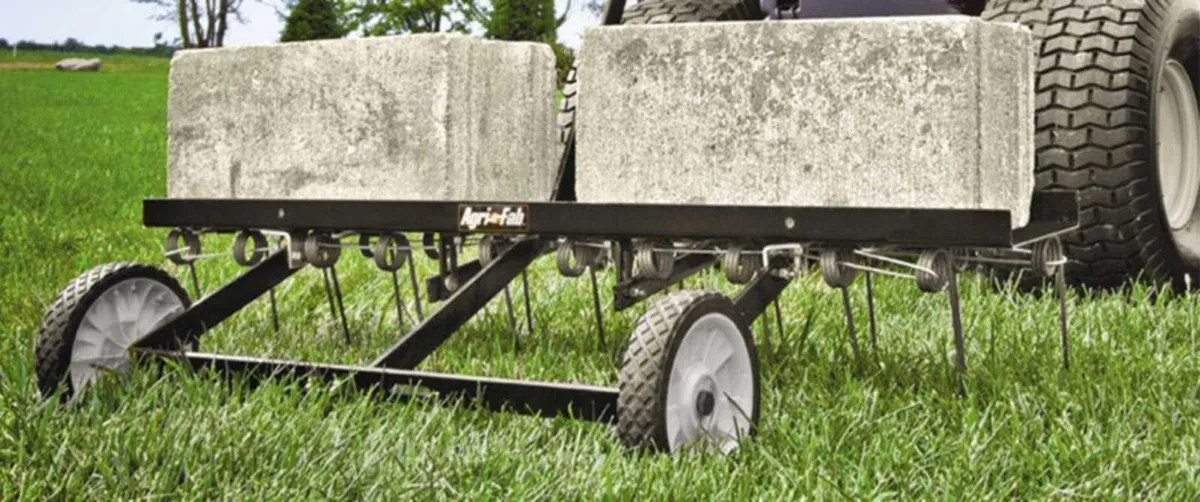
(582, 402)
(1061, 281)
(210, 311)
(960, 349)
(337, 289)
(850, 323)
(894, 261)
(195, 279)
(871, 309)
(399, 302)
(329, 292)
(512, 318)
(528, 303)
(274, 309)
(596, 306)
(416, 287)
(466, 301)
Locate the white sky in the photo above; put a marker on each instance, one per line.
(124, 23)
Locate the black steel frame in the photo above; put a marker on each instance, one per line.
(393, 373)
(480, 283)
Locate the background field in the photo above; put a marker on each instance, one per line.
(79, 151)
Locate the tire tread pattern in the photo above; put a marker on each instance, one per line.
(56, 335)
(1093, 130)
(641, 389)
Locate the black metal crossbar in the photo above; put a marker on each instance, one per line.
(584, 402)
(828, 225)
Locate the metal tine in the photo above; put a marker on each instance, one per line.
(412, 275)
(195, 279)
(512, 317)
(340, 304)
(960, 350)
(1061, 285)
(871, 309)
(850, 325)
(399, 300)
(328, 292)
(596, 306)
(274, 309)
(528, 303)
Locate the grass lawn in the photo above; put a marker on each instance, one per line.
(78, 152)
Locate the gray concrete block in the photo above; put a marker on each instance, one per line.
(917, 112)
(419, 117)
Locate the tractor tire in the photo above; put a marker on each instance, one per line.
(658, 12)
(1116, 122)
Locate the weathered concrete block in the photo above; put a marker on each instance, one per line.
(920, 112)
(420, 117)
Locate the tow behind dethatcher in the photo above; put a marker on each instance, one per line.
(689, 374)
(691, 363)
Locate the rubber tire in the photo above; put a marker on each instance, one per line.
(644, 375)
(658, 12)
(1098, 65)
(62, 318)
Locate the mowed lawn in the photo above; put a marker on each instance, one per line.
(78, 152)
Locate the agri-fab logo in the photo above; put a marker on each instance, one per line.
(493, 218)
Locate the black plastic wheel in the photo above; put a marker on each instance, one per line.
(690, 374)
(1099, 78)
(61, 358)
(658, 12)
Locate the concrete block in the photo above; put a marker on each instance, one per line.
(914, 112)
(418, 117)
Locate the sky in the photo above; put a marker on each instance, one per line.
(125, 23)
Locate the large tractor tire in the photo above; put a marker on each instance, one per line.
(659, 12)
(1117, 122)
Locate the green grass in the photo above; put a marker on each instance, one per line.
(79, 151)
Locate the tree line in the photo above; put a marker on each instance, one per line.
(74, 45)
(206, 23)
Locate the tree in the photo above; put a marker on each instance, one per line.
(313, 20)
(395, 17)
(201, 24)
(531, 20)
(3, 43)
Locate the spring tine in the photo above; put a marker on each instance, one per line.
(1061, 281)
(195, 279)
(960, 350)
(328, 292)
(274, 309)
(412, 275)
(596, 306)
(871, 308)
(850, 324)
(399, 301)
(341, 306)
(512, 318)
(528, 304)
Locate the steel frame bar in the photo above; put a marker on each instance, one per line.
(469, 299)
(211, 310)
(584, 402)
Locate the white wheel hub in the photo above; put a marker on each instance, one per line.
(710, 395)
(120, 316)
(1177, 131)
